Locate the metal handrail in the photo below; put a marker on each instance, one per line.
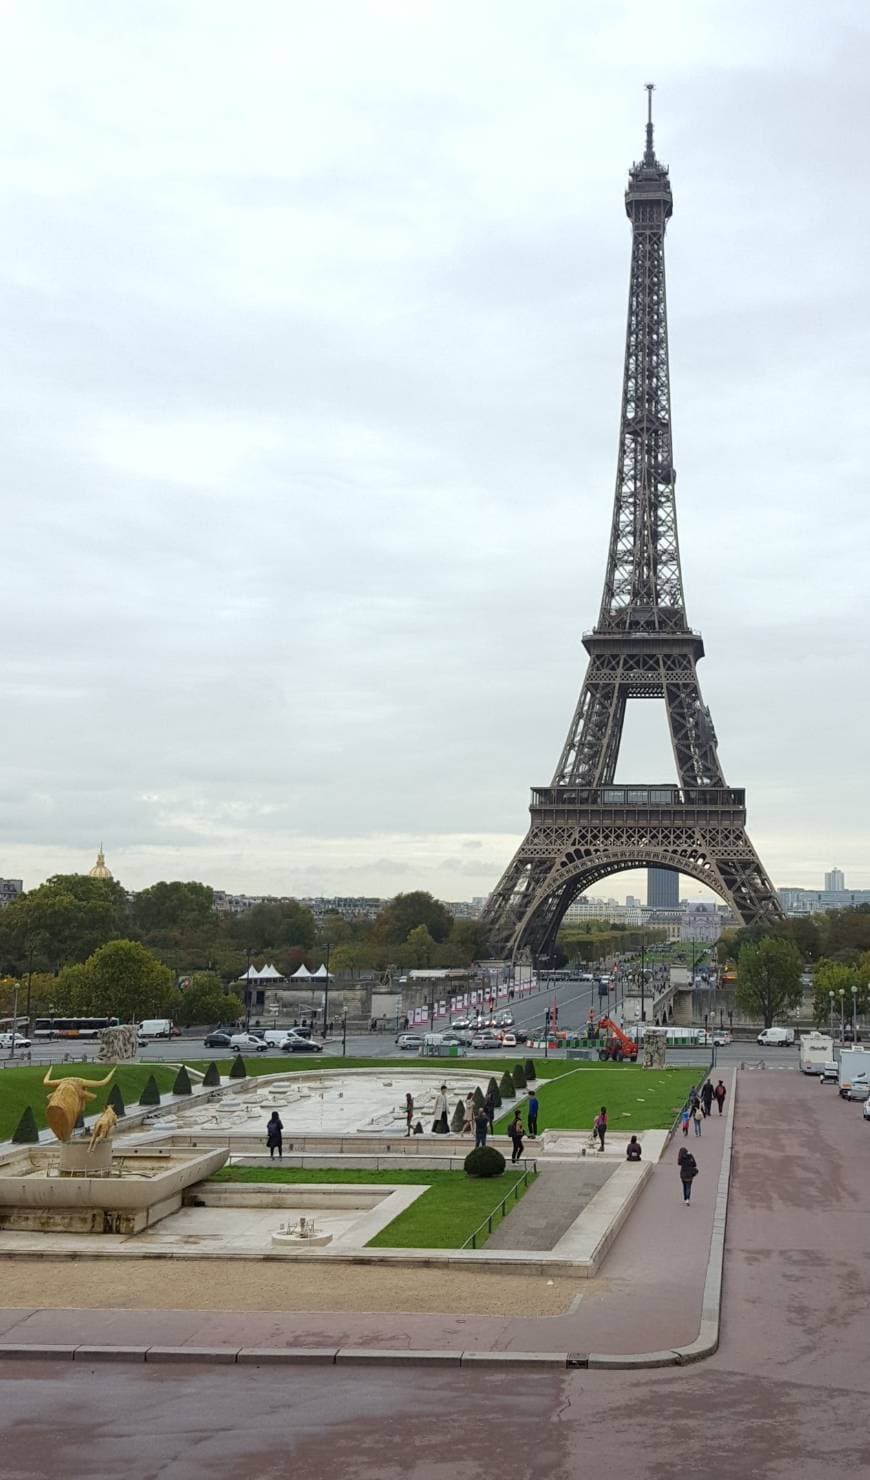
(529, 1174)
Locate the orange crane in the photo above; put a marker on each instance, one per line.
(618, 1046)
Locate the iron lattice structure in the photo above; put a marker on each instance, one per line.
(583, 827)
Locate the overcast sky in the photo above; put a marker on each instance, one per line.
(313, 334)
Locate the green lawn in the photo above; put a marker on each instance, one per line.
(483, 1068)
(443, 1218)
(636, 1099)
(22, 1087)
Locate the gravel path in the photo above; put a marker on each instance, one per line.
(239, 1286)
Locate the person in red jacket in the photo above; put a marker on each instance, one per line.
(719, 1094)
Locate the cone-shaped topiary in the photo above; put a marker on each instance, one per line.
(26, 1129)
(211, 1078)
(458, 1120)
(530, 1070)
(237, 1068)
(519, 1077)
(478, 1097)
(116, 1100)
(484, 1161)
(507, 1086)
(182, 1085)
(493, 1089)
(150, 1094)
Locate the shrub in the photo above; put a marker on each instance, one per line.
(484, 1161)
(26, 1129)
(493, 1089)
(519, 1077)
(182, 1085)
(458, 1120)
(150, 1094)
(507, 1086)
(478, 1097)
(529, 1069)
(116, 1101)
(237, 1068)
(211, 1078)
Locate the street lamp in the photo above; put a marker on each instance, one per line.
(326, 994)
(642, 976)
(842, 995)
(854, 1013)
(831, 999)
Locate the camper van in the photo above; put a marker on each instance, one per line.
(854, 1078)
(817, 1049)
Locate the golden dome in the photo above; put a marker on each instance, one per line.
(99, 870)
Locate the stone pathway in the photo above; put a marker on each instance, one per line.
(550, 1206)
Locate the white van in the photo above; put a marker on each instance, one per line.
(776, 1037)
(817, 1050)
(155, 1028)
(276, 1036)
(854, 1077)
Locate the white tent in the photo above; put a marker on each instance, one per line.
(251, 975)
(321, 974)
(302, 974)
(269, 974)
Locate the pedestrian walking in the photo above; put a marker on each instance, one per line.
(440, 1126)
(516, 1132)
(481, 1127)
(688, 1171)
(533, 1108)
(599, 1126)
(685, 1117)
(469, 1115)
(697, 1117)
(489, 1108)
(409, 1112)
(719, 1094)
(273, 1135)
(632, 1150)
(706, 1097)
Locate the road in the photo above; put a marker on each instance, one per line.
(573, 1000)
(787, 1394)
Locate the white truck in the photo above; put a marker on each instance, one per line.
(776, 1038)
(853, 1081)
(817, 1049)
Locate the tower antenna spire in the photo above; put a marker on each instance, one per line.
(649, 155)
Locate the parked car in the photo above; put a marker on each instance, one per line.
(410, 1040)
(296, 1043)
(486, 1039)
(240, 1041)
(217, 1040)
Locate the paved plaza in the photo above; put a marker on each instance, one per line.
(788, 1387)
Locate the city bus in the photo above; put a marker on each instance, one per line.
(71, 1027)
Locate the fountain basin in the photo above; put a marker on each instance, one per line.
(143, 1185)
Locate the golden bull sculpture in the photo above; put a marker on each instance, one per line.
(103, 1126)
(67, 1101)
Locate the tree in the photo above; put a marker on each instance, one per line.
(837, 977)
(172, 906)
(122, 979)
(466, 943)
(418, 950)
(270, 925)
(768, 978)
(404, 913)
(63, 920)
(205, 1001)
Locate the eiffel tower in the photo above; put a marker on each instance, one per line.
(583, 827)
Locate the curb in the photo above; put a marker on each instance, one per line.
(704, 1345)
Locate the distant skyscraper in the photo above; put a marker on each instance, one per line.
(835, 880)
(662, 889)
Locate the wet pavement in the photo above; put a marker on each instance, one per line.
(787, 1395)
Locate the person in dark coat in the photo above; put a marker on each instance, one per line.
(533, 1115)
(515, 1131)
(632, 1150)
(481, 1127)
(489, 1108)
(719, 1094)
(706, 1097)
(273, 1135)
(409, 1112)
(688, 1171)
